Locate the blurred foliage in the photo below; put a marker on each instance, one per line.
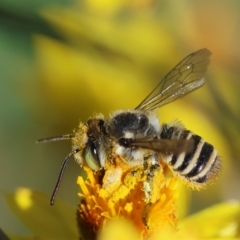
(43, 221)
(61, 61)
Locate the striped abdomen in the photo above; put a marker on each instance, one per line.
(200, 164)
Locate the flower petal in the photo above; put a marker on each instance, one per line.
(118, 229)
(33, 209)
(218, 221)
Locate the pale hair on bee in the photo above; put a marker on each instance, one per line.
(136, 135)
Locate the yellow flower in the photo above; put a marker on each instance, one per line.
(220, 221)
(126, 198)
(104, 209)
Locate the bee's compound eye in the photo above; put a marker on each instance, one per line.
(92, 157)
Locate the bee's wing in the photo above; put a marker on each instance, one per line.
(181, 80)
(165, 146)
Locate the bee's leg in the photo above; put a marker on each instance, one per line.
(151, 164)
(149, 187)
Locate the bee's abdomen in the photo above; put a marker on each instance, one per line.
(200, 164)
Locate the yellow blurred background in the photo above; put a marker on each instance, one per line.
(61, 61)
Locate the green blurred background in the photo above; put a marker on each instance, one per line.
(61, 61)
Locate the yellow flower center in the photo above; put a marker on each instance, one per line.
(123, 191)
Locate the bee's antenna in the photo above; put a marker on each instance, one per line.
(53, 139)
(60, 175)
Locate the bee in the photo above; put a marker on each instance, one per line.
(136, 135)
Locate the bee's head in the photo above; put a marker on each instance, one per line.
(94, 153)
(91, 139)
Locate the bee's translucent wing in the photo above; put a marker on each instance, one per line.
(183, 79)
